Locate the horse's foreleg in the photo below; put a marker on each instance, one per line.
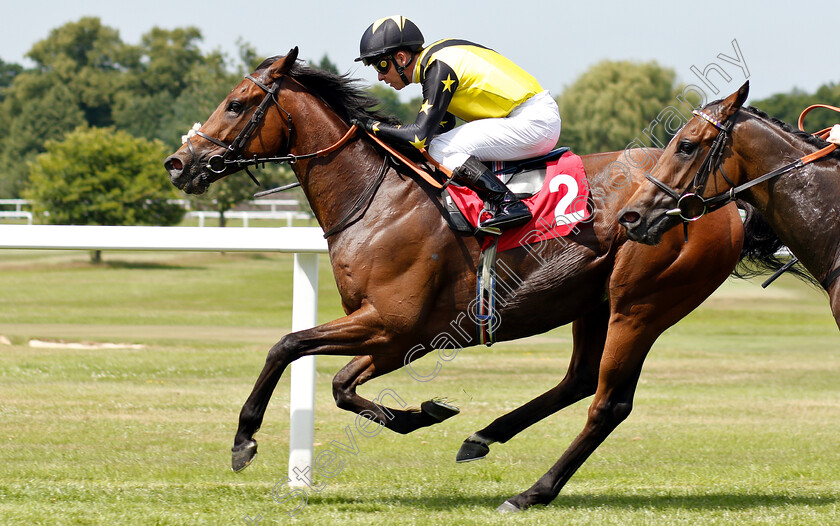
(364, 368)
(581, 381)
(621, 366)
(358, 333)
(645, 299)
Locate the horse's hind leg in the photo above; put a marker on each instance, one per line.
(364, 368)
(581, 380)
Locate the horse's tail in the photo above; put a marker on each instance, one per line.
(760, 254)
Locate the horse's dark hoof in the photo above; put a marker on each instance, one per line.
(243, 455)
(508, 507)
(438, 410)
(471, 450)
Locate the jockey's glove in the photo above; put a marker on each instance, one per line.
(369, 125)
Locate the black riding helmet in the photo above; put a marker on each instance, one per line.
(386, 36)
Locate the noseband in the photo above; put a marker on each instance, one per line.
(691, 200)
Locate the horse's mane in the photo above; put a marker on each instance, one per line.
(813, 140)
(344, 95)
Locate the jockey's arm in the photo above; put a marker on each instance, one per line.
(433, 118)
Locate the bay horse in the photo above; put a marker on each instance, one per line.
(792, 178)
(406, 280)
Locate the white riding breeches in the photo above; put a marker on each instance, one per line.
(530, 130)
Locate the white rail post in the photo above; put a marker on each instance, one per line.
(305, 242)
(302, 396)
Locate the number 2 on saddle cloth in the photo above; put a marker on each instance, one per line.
(558, 206)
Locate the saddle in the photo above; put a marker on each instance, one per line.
(532, 179)
(524, 178)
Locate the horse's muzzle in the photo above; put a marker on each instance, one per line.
(183, 178)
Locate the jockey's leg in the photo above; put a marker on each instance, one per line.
(510, 211)
(530, 130)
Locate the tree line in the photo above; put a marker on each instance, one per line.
(89, 89)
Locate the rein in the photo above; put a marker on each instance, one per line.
(407, 162)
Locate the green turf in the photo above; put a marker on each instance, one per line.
(736, 419)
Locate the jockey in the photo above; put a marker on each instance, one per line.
(509, 116)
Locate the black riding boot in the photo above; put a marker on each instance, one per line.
(510, 211)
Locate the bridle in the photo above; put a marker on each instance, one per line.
(691, 205)
(232, 156)
(692, 200)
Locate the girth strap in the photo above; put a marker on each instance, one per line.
(834, 274)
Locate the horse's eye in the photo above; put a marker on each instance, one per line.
(234, 106)
(686, 147)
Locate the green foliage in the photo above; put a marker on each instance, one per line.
(8, 72)
(166, 56)
(88, 58)
(788, 106)
(166, 115)
(406, 112)
(86, 75)
(78, 72)
(249, 59)
(326, 65)
(98, 176)
(32, 119)
(612, 104)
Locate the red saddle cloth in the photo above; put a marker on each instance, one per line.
(557, 207)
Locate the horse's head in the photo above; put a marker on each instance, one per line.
(249, 122)
(698, 157)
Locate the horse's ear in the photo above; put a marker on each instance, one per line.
(282, 65)
(743, 92)
(737, 99)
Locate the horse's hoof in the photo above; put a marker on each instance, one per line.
(438, 410)
(243, 455)
(471, 450)
(508, 507)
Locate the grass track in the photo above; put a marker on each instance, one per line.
(737, 415)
